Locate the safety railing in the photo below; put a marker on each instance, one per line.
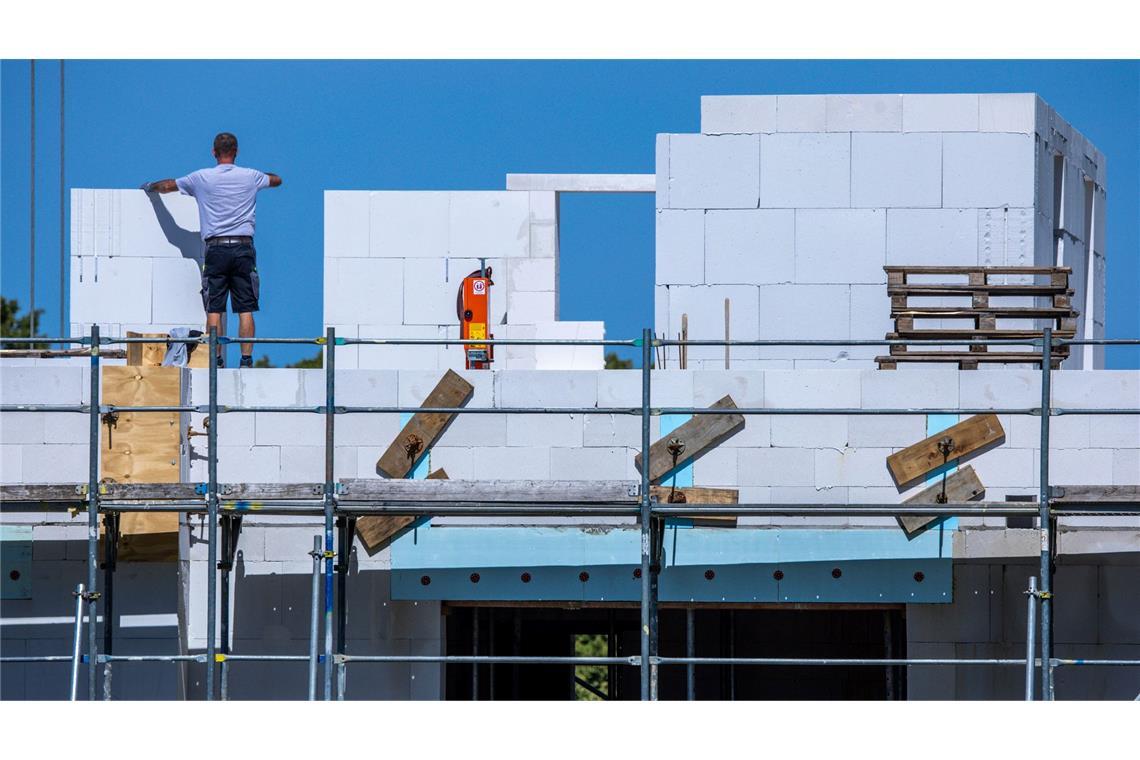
(338, 519)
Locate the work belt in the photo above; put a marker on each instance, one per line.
(230, 240)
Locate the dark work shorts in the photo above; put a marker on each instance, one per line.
(230, 270)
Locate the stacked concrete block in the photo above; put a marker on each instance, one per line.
(135, 261)
(871, 180)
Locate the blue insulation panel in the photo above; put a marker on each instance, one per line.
(701, 564)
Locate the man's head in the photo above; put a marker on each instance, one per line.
(225, 147)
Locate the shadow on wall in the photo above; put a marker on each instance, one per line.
(186, 241)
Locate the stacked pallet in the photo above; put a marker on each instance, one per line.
(985, 298)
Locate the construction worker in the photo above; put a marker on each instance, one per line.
(226, 196)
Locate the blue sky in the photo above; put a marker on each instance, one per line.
(464, 125)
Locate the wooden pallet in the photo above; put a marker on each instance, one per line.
(980, 318)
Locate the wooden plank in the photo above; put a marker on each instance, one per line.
(961, 486)
(376, 532)
(700, 495)
(497, 491)
(143, 447)
(968, 269)
(968, 436)
(968, 333)
(964, 289)
(152, 354)
(1007, 312)
(423, 429)
(1129, 494)
(935, 357)
(700, 434)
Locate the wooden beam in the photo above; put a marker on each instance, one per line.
(379, 531)
(1111, 494)
(961, 486)
(970, 435)
(700, 495)
(499, 491)
(423, 429)
(700, 434)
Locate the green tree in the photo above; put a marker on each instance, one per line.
(613, 361)
(313, 362)
(591, 645)
(12, 325)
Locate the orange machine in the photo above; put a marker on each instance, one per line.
(474, 307)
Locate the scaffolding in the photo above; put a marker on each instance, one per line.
(327, 658)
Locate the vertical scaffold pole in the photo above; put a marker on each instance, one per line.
(1030, 637)
(690, 651)
(93, 522)
(646, 527)
(330, 498)
(1046, 594)
(212, 518)
(313, 617)
(77, 643)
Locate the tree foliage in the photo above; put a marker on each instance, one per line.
(613, 361)
(12, 325)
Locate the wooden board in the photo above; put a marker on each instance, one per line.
(377, 532)
(499, 491)
(970, 435)
(143, 447)
(451, 391)
(152, 354)
(701, 495)
(961, 486)
(1129, 494)
(700, 434)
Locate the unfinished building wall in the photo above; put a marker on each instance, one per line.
(394, 262)
(789, 206)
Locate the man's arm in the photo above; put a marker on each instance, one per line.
(161, 186)
(274, 180)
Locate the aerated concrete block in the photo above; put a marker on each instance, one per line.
(355, 388)
(1003, 467)
(717, 468)
(776, 467)
(1000, 388)
(864, 113)
(714, 171)
(65, 428)
(1102, 389)
(940, 113)
(415, 385)
(54, 463)
(549, 430)
(1007, 112)
(543, 240)
(819, 389)
(933, 388)
(40, 385)
(661, 164)
(1080, 467)
(242, 464)
(111, 289)
(745, 387)
(400, 356)
(738, 114)
(476, 430)
(680, 247)
(407, 224)
(987, 170)
(801, 113)
(11, 463)
(840, 245)
(27, 427)
(705, 307)
(878, 431)
(348, 223)
(932, 237)
(546, 389)
(805, 171)
(870, 319)
(569, 357)
(750, 246)
(176, 293)
(1110, 431)
(306, 464)
(852, 467)
(609, 430)
(589, 464)
(808, 432)
(802, 311)
(531, 308)
(490, 224)
(1118, 620)
(366, 429)
(899, 170)
(285, 428)
(1065, 432)
(364, 290)
(513, 463)
(543, 206)
(531, 274)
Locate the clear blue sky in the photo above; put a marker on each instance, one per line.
(464, 125)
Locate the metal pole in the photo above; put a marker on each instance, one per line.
(212, 519)
(690, 651)
(345, 528)
(77, 643)
(93, 519)
(228, 541)
(330, 553)
(63, 328)
(646, 516)
(313, 616)
(1030, 636)
(1046, 595)
(110, 559)
(475, 651)
(32, 207)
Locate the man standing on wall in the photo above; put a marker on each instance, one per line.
(227, 202)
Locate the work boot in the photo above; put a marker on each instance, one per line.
(247, 361)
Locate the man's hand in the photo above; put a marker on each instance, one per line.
(161, 186)
(274, 180)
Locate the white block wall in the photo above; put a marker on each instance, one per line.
(135, 262)
(394, 261)
(799, 201)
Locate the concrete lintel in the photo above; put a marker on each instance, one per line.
(584, 183)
